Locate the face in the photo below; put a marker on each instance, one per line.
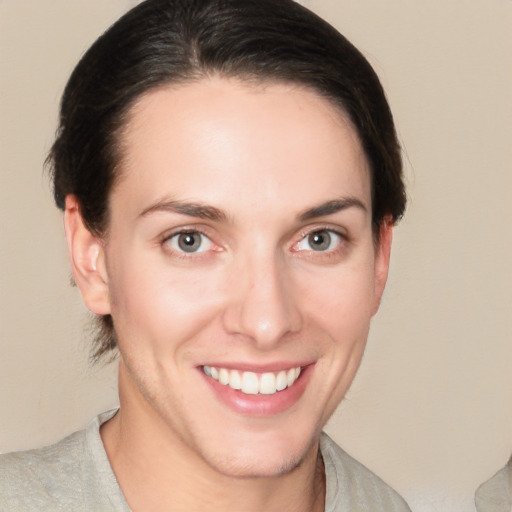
(241, 269)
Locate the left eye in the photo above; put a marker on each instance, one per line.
(190, 242)
(321, 241)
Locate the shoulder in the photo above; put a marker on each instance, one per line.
(42, 479)
(495, 495)
(72, 475)
(352, 486)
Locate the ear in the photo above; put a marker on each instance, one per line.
(382, 256)
(87, 256)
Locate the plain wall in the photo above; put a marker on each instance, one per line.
(431, 408)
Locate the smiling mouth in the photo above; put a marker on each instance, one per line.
(251, 383)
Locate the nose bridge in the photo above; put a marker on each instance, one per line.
(263, 305)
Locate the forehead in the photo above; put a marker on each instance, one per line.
(218, 138)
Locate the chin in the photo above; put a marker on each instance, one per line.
(261, 459)
(238, 467)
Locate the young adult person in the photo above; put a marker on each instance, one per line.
(230, 175)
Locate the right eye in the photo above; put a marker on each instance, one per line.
(320, 240)
(189, 242)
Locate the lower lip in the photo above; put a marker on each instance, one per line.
(261, 405)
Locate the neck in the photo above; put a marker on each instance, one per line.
(157, 471)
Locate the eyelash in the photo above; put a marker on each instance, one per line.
(176, 251)
(340, 244)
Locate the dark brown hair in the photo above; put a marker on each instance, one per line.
(174, 41)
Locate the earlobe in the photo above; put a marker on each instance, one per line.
(86, 253)
(382, 257)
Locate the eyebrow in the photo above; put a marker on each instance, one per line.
(330, 207)
(202, 211)
(192, 209)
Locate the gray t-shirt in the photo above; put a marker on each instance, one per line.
(495, 495)
(75, 475)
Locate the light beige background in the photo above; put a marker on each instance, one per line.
(431, 409)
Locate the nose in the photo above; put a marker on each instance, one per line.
(262, 303)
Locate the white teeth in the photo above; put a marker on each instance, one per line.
(223, 376)
(235, 381)
(282, 381)
(268, 384)
(291, 376)
(252, 383)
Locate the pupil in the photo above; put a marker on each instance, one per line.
(320, 241)
(189, 242)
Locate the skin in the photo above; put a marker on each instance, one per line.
(259, 161)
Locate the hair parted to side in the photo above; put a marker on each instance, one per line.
(161, 42)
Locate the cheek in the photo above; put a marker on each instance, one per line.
(343, 310)
(342, 300)
(161, 306)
